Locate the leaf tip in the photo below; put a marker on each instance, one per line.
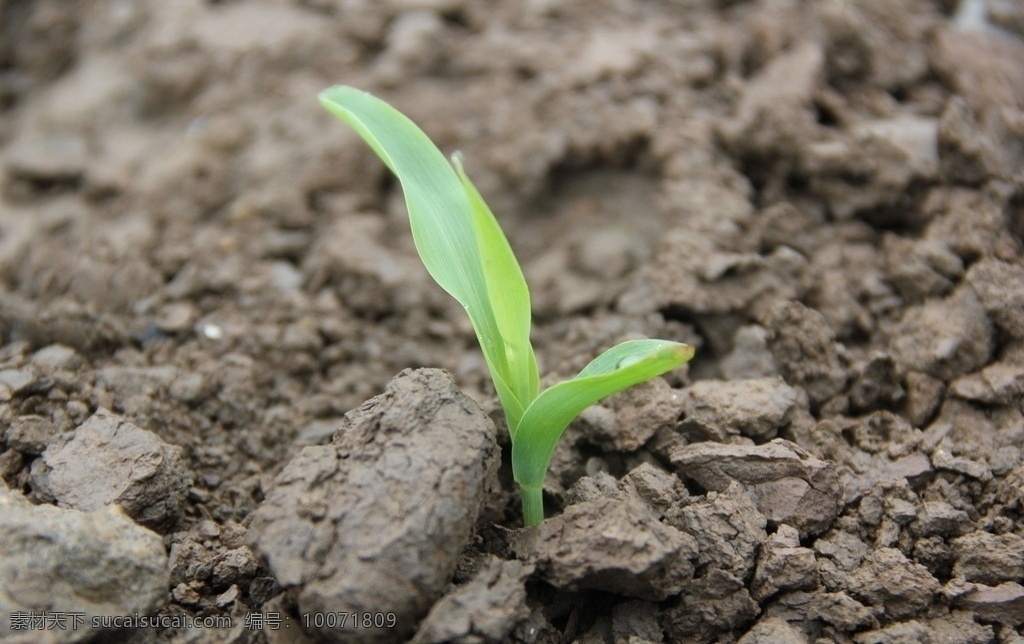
(685, 351)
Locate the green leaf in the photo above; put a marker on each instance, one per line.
(618, 368)
(458, 239)
(510, 297)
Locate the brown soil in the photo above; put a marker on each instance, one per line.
(201, 273)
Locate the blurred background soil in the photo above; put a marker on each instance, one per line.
(826, 197)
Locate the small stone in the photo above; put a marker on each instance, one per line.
(658, 488)
(750, 356)
(900, 510)
(1003, 604)
(728, 529)
(924, 394)
(30, 434)
(616, 545)
(636, 621)
(486, 608)
(939, 517)
(176, 317)
(18, 381)
(920, 269)
(58, 356)
(714, 603)
(128, 382)
(989, 559)
(98, 564)
(189, 561)
(946, 338)
(237, 565)
(228, 597)
(885, 432)
(805, 347)
(996, 384)
(627, 420)
(942, 459)
(600, 485)
(876, 385)
(788, 485)
(57, 156)
(997, 285)
(109, 460)
(783, 565)
(186, 595)
(772, 630)
(912, 467)
(837, 608)
(263, 589)
(718, 410)
(888, 579)
(842, 547)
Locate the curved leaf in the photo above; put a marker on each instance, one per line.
(458, 239)
(618, 368)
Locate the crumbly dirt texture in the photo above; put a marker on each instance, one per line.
(220, 385)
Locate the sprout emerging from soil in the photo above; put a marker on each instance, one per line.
(467, 254)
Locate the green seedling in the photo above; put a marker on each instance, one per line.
(467, 254)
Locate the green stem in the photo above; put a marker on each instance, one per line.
(533, 504)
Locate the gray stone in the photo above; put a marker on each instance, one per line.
(946, 338)
(988, 558)
(788, 485)
(610, 544)
(958, 626)
(750, 356)
(486, 608)
(376, 521)
(98, 564)
(1003, 603)
(718, 410)
(58, 356)
(30, 434)
(658, 488)
(626, 421)
(842, 547)
(889, 580)
(109, 460)
(728, 529)
(998, 286)
(942, 459)
(837, 609)
(714, 603)
(783, 564)
(805, 347)
(910, 467)
(18, 381)
(997, 384)
(772, 630)
(924, 394)
(939, 517)
(591, 488)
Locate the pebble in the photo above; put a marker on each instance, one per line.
(55, 560)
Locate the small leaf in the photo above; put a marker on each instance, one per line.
(618, 368)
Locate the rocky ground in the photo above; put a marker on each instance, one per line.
(221, 403)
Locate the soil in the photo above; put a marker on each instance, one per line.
(216, 334)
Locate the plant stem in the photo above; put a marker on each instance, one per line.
(533, 504)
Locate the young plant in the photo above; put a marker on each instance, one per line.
(467, 254)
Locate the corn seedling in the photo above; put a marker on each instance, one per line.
(467, 254)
